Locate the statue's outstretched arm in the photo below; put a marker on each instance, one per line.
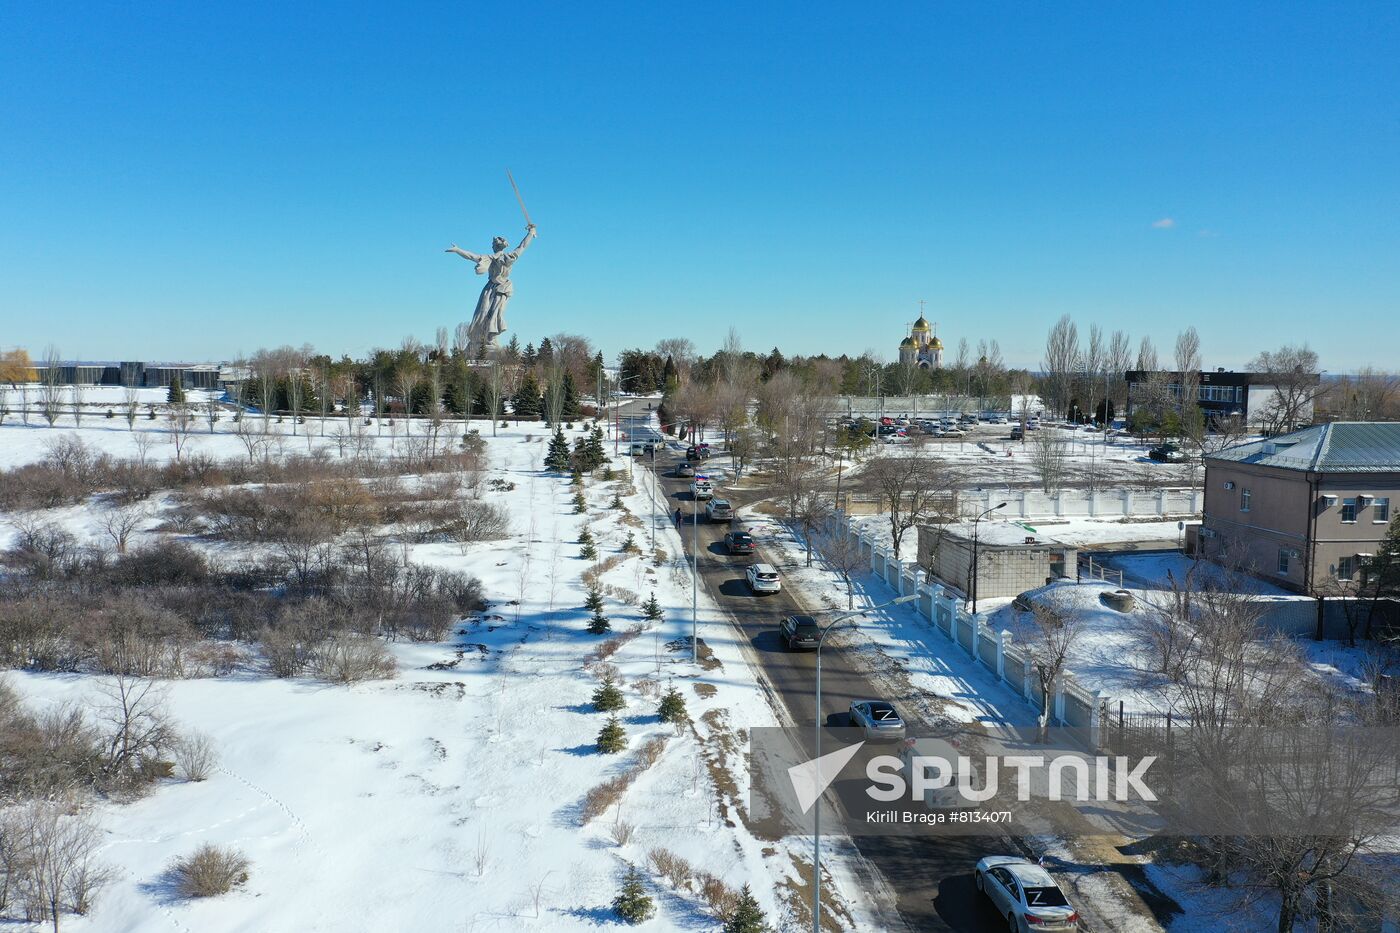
(529, 235)
(472, 257)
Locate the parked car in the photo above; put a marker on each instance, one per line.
(1016, 433)
(799, 632)
(692, 453)
(879, 719)
(1025, 894)
(739, 542)
(702, 489)
(719, 510)
(955, 432)
(1167, 453)
(685, 469)
(704, 450)
(636, 449)
(900, 438)
(763, 578)
(1033, 424)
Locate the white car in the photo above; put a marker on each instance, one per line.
(702, 489)
(1025, 894)
(763, 578)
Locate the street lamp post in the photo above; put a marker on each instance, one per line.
(975, 567)
(817, 725)
(695, 582)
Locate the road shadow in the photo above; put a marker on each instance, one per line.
(769, 640)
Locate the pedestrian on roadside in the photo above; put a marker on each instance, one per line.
(678, 517)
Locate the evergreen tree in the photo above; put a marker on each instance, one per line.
(608, 698)
(672, 708)
(585, 536)
(557, 459)
(611, 738)
(609, 474)
(526, 402)
(546, 354)
(454, 397)
(175, 395)
(633, 904)
(576, 478)
(593, 602)
(629, 545)
(616, 502)
(599, 624)
(580, 504)
(651, 609)
(570, 410)
(420, 399)
(512, 350)
(589, 551)
(527, 359)
(747, 916)
(597, 447)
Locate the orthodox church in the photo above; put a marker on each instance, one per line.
(922, 346)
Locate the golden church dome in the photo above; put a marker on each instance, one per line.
(921, 325)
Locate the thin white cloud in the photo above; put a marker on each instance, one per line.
(1164, 223)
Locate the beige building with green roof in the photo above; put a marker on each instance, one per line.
(1307, 509)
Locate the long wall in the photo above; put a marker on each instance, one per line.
(1071, 704)
(1126, 503)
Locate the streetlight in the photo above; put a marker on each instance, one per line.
(817, 726)
(617, 413)
(974, 552)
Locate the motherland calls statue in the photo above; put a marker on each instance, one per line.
(489, 322)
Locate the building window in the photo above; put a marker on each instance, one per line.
(1346, 568)
(1283, 561)
(1348, 510)
(1244, 500)
(1380, 509)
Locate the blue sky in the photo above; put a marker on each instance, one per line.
(188, 183)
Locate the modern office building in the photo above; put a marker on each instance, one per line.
(1220, 394)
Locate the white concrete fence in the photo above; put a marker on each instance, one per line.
(1091, 503)
(1072, 705)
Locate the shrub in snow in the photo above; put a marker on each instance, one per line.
(720, 899)
(633, 904)
(599, 624)
(349, 658)
(612, 738)
(651, 609)
(209, 871)
(672, 708)
(747, 916)
(608, 698)
(675, 869)
(195, 755)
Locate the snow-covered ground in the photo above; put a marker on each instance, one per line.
(449, 798)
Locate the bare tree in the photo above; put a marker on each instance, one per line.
(841, 551)
(182, 422)
(1061, 363)
(77, 393)
(50, 388)
(131, 400)
(493, 391)
(1147, 356)
(912, 490)
(1296, 383)
(54, 846)
(1118, 361)
(1188, 370)
(1048, 640)
(135, 722)
(120, 522)
(1049, 457)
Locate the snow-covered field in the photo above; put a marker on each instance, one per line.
(449, 798)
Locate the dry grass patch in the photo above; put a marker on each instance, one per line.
(704, 691)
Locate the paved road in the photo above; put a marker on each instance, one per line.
(931, 878)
